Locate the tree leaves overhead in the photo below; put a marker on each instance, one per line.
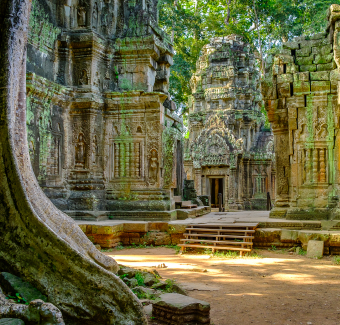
(192, 23)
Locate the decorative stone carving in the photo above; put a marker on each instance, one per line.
(80, 149)
(81, 14)
(94, 151)
(153, 167)
(95, 15)
(83, 78)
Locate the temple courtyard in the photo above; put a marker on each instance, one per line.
(269, 287)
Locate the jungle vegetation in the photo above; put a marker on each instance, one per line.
(264, 23)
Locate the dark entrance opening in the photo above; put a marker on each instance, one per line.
(216, 186)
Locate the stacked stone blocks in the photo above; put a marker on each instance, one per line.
(301, 98)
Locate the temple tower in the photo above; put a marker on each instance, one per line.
(230, 149)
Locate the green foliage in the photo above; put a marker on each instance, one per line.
(144, 295)
(123, 276)
(302, 252)
(273, 248)
(18, 299)
(336, 260)
(120, 247)
(265, 114)
(225, 254)
(107, 250)
(140, 279)
(169, 285)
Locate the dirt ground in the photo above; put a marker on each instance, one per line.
(278, 288)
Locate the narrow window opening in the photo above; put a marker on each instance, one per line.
(305, 97)
(293, 53)
(291, 90)
(285, 68)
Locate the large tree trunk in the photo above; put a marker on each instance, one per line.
(37, 241)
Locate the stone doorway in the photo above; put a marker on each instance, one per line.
(216, 186)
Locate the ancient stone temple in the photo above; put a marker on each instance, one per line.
(103, 136)
(301, 93)
(230, 150)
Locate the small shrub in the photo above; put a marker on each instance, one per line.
(139, 294)
(169, 285)
(123, 276)
(18, 299)
(302, 252)
(140, 279)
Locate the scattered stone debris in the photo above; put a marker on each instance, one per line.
(147, 285)
(176, 309)
(161, 266)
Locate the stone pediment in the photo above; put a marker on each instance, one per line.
(215, 144)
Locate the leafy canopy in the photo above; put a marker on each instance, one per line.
(192, 23)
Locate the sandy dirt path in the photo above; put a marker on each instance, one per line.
(276, 289)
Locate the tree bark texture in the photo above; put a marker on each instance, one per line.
(259, 36)
(37, 241)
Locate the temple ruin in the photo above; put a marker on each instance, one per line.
(102, 132)
(230, 149)
(302, 99)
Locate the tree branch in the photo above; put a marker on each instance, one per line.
(227, 20)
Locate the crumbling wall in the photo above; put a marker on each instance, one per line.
(301, 96)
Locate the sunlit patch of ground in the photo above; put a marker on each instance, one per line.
(276, 289)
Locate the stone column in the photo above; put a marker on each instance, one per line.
(315, 165)
(322, 166)
(116, 166)
(127, 159)
(198, 181)
(132, 160)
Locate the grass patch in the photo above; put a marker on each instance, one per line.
(273, 248)
(301, 252)
(106, 250)
(120, 247)
(279, 250)
(225, 254)
(336, 260)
